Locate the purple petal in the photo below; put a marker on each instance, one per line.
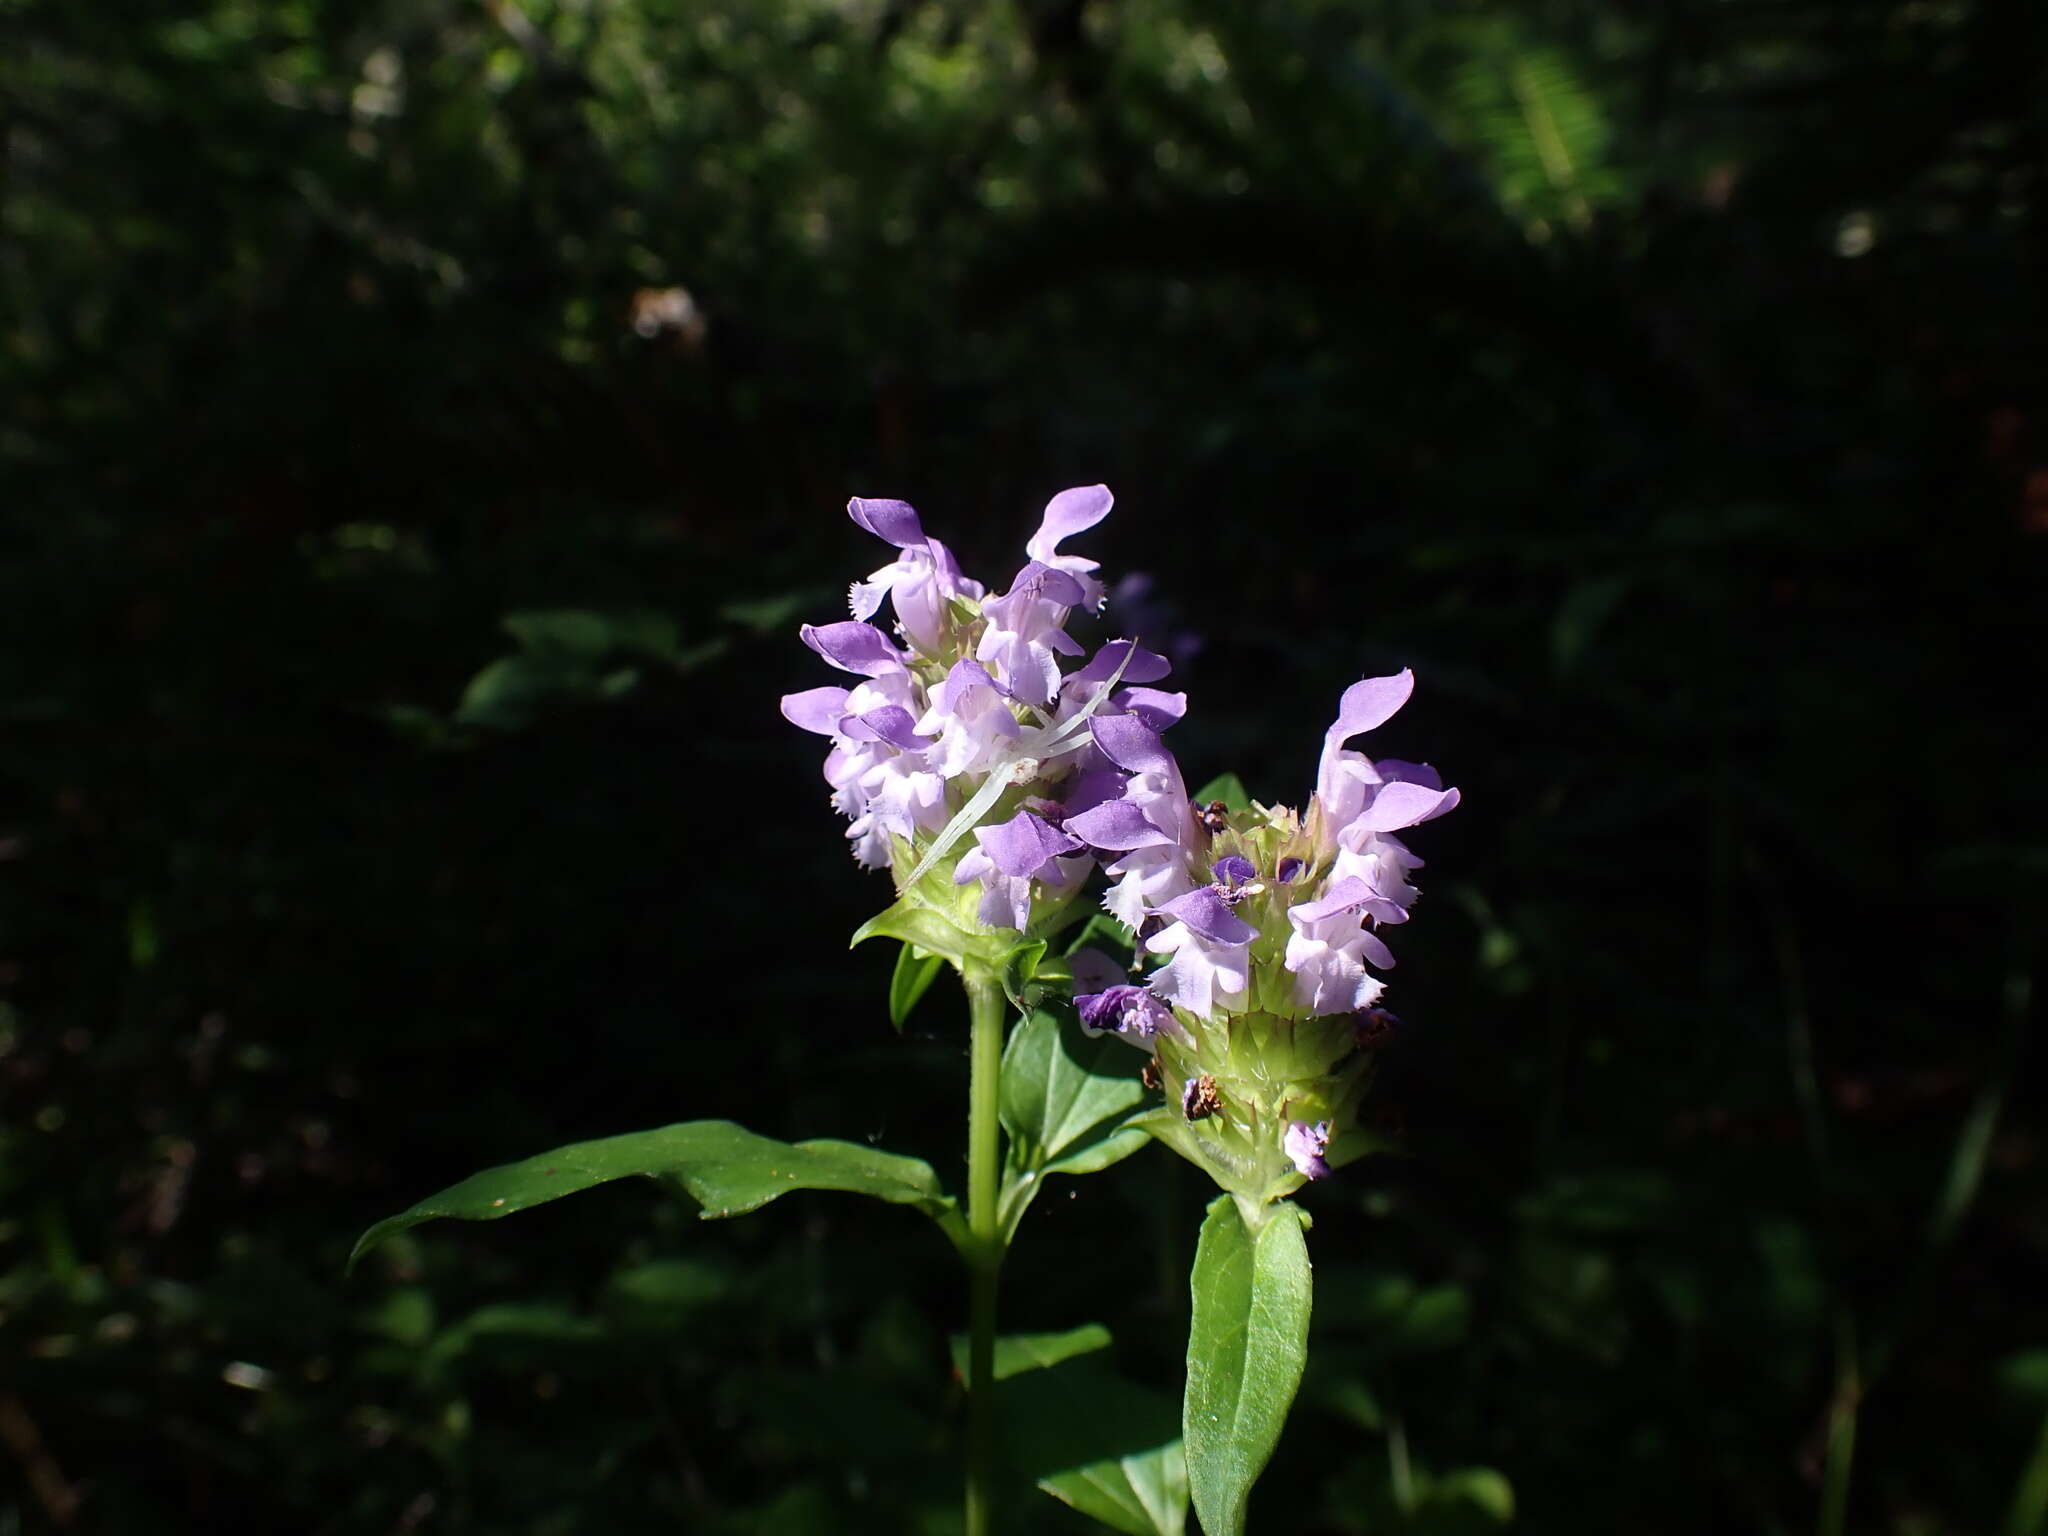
(891, 723)
(1305, 1144)
(1375, 950)
(1347, 894)
(1393, 770)
(966, 676)
(1368, 704)
(895, 522)
(816, 709)
(1044, 584)
(1288, 869)
(1090, 788)
(1024, 844)
(1400, 805)
(1067, 514)
(1094, 973)
(1234, 869)
(1156, 709)
(1130, 1011)
(1208, 914)
(1131, 744)
(853, 646)
(1116, 826)
(1145, 666)
(948, 567)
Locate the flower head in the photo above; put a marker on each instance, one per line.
(1268, 928)
(963, 742)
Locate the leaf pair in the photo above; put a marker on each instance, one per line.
(1067, 1102)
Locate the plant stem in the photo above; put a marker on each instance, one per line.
(988, 1010)
(1841, 1430)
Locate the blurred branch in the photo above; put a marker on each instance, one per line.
(58, 1498)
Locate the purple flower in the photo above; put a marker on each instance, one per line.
(1009, 857)
(877, 767)
(971, 719)
(919, 583)
(1151, 827)
(1067, 514)
(1232, 871)
(1129, 1012)
(852, 646)
(1154, 706)
(1329, 947)
(1211, 949)
(1360, 801)
(1305, 1145)
(1024, 631)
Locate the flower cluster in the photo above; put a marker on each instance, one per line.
(1259, 928)
(1270, 920)
(963, 722)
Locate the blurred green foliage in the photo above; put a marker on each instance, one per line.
(423, 424)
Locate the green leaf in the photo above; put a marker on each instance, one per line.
(1119, 1462)
(727, 1169)
(506, 694)
(1228, 788)
(1247, 1344)
(917, 924)
(1145, 1494)
(1020, 1352)
(1479, 1488)
(916, 970)
(1019, 971)
(570, 631)
(1104, 932)
(1065, 1098)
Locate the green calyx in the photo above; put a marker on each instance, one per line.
(944, 919)
(1232, 1087)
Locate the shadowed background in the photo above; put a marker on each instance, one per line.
(425, 425)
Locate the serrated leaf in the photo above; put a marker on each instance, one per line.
(727, 1169)
(1228, 788)
(1017, 1353)
(1247, 1344)
(916, 970)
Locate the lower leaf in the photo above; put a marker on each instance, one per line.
(1247, 1345)
(1098, 1443)
(726, 1168)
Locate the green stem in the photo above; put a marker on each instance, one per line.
(1841, 1431)
(988, 1010)
(2030, 1499)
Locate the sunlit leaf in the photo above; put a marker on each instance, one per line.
(1020, 1352)
(1247, 1345)
(1064, 1100)
(915, 972)
(727, 1169)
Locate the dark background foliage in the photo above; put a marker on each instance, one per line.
(425, 423)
